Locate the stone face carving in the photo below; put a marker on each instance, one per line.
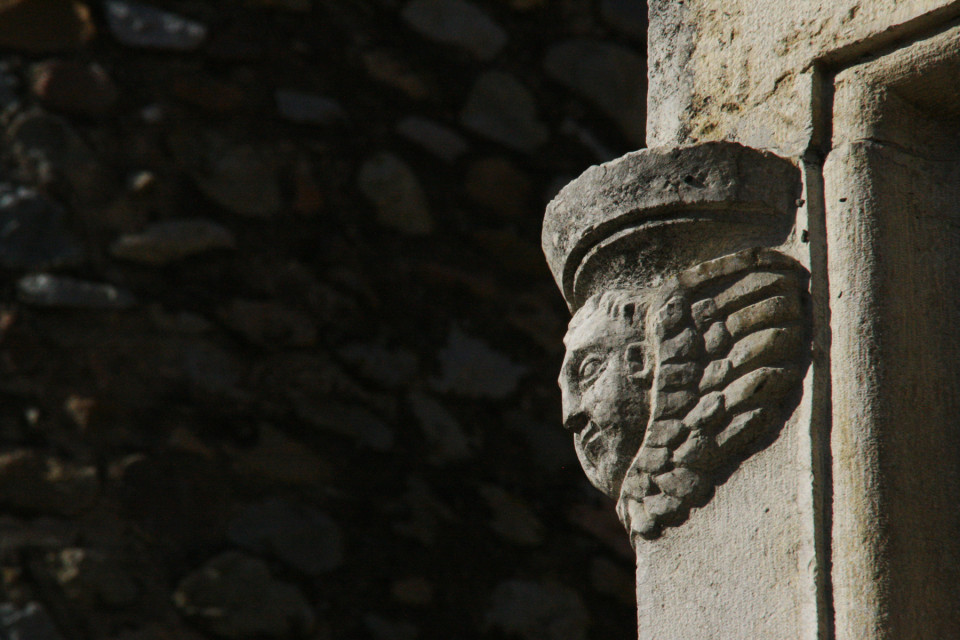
(680, 367)
(667, 389)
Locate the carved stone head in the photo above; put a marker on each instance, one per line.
(690, 330)
(605, 382)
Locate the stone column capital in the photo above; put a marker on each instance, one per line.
(655, 212)
(690, 329)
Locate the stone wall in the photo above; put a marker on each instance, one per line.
(862, 97)
(743, 71)
(278, 345)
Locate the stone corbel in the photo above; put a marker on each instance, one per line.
(690, 331)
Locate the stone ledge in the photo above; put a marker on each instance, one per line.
(653, 212)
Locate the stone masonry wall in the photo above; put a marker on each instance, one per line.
(278, 345)
(743, 71)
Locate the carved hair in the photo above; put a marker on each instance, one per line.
(624, 305)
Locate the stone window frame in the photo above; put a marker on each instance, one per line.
(868, 588)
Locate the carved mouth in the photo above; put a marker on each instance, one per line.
(590, 433)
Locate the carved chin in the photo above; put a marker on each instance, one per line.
(605, 455)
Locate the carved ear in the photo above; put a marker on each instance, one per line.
(636, 367)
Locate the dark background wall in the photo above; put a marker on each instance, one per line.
(278, 346)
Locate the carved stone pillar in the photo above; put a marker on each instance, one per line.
(686, 381)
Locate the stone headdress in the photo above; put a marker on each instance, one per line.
(694, 229)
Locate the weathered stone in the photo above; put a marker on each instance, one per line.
(697, 451)
(52, 153)
(45, 290)
(172, 240)
(45, 26)
(665, 433)
(674, 376)
(758, 387)
(674, 404)
(708, 413)
(772, 311)
(30, 621)
(304, 539)
(638, 518)
(234, 596)
(757, 260)
(670, 316)
(140, 25)
(743, 429)
(766, 347)
(74, 87)
(33, 232)
(471, 368)
(456, 22)
(608, 75)
(716, 374)
(661, 506)
(683, 347)
(304, 108)
(609, 387)
(9, 90)
(627, 192)
(752, 288)
(93, 577)
(704, 312)
(716, 339)
(500, 108)
(653, 459)
(30, 482)
(537, 611)
(235, 176)
(441, 141)
(682, 483)
(393, 188)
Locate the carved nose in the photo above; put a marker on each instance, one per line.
(576, 422)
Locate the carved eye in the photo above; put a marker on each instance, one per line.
(590, 367)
